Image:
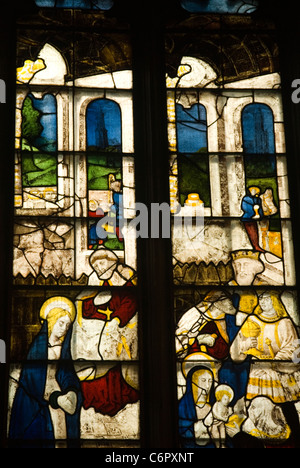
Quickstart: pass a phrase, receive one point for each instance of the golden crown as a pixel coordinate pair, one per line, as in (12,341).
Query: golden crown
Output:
(245,254)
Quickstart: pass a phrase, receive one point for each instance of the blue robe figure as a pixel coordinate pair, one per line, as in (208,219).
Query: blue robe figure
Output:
(251,205)
(115,221)
(188,416)
(233,374)
(30,422)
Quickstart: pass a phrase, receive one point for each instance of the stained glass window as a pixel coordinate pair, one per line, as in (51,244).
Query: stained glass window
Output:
(121,333)
(74,341)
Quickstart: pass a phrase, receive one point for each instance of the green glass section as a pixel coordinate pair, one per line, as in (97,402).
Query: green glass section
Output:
(193,175)
(39,170)
(100,168)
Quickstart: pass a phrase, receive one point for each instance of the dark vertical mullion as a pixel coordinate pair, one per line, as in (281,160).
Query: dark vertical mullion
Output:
(158,384)
(7,132)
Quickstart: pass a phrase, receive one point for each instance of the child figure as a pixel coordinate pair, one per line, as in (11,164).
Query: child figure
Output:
(220,415)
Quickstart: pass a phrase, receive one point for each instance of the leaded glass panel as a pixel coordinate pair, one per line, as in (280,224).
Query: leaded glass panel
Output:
(236,310)
(74,373)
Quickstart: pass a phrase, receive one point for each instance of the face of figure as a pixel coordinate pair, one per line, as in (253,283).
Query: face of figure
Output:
(218,309)
(254,191)
(265,302)
(116,186)
(201,385)
(104,268)
(245,270)
(254,412)
(60,328)
(225,399)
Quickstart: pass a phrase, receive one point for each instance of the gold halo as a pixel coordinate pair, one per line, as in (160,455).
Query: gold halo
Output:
(226,388)
(58,302)
(203,360)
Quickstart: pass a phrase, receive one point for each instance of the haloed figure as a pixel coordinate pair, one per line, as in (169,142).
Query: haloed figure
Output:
(194,406)
(201,386)
(220,414)
(47,402)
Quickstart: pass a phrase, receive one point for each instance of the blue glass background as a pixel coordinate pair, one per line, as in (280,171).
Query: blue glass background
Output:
(191,128)
(47,141)
(82,4)
(103,123)
(258,129)
(220,6)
